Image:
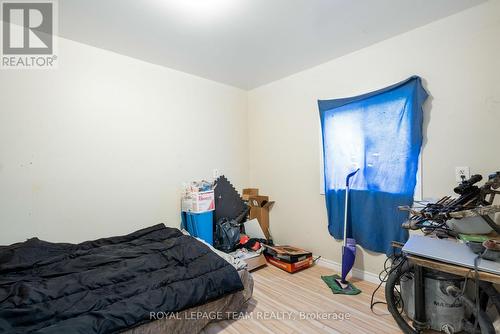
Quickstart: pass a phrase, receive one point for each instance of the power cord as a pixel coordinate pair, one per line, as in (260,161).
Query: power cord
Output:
(391,264)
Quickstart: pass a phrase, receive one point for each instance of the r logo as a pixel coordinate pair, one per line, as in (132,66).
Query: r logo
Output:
(27,28)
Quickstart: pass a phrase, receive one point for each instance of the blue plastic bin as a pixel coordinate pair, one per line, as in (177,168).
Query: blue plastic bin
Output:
(199,225)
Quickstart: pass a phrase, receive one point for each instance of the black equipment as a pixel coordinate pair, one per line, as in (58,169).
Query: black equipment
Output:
(473,201)
(467,186)
(227,235)
(419,298)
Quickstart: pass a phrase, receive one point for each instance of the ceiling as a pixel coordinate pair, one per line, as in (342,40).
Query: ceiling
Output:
(244,43)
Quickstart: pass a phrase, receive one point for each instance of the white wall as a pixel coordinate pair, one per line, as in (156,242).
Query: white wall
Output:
(458,58)
(101,145)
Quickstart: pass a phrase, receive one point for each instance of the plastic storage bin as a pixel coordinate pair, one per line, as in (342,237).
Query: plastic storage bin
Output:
(199,225)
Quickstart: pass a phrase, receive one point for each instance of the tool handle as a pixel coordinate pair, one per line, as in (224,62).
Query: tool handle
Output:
(349,177)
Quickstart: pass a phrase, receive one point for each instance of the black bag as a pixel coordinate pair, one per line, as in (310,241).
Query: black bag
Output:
(227,235)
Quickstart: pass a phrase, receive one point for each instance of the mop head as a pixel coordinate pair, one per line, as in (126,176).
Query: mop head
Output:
(337,287)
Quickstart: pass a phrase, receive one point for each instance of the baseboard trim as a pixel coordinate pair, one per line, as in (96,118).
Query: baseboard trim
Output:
(355,272)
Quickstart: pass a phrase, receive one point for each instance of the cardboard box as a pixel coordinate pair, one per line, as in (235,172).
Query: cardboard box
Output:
(249,192)
(257,200)
(198,202)
(255,262)
(290,267)
(287,253)
(259,209)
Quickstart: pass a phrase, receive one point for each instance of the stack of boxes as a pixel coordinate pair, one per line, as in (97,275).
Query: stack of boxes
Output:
(198,204)
(259,208)
(288,258)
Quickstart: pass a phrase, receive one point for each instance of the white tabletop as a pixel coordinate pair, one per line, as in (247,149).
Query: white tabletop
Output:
(449,251)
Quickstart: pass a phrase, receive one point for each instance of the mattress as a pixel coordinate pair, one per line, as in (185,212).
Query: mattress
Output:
(194,319)
(108,285)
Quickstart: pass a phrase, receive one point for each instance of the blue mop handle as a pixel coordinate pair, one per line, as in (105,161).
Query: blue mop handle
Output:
(349,177)
(347,205)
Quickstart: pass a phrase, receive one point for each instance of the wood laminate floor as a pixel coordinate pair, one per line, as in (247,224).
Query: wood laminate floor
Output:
(302,303)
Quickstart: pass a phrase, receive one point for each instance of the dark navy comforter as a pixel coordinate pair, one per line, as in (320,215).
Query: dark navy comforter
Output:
(107,285)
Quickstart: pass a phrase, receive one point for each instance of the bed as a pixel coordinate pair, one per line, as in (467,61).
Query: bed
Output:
(155,280)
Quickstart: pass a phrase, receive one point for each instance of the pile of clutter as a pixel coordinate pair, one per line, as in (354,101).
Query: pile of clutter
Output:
(237,224)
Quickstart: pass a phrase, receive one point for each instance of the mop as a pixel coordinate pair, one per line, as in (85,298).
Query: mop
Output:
(339,284)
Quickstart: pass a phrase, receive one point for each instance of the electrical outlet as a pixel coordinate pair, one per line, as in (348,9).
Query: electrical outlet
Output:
(462,173)
(215,173)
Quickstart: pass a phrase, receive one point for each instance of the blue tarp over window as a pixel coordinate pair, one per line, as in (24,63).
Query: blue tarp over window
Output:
(380,133)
